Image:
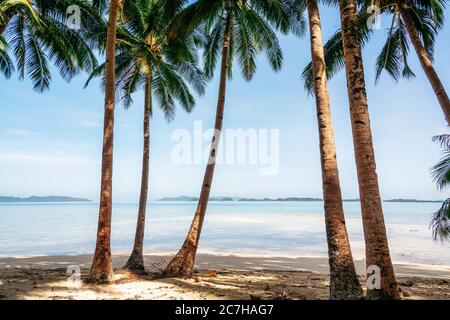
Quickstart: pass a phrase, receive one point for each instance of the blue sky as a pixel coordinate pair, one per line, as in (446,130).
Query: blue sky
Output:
(51,143)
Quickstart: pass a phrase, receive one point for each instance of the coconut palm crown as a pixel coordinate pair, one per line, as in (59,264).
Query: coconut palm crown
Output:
(428,19)
(36,34)
(253,30)
(143,50)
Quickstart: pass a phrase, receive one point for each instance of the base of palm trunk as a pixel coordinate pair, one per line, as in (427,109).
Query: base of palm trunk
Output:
(345,286)
(101,277)
(182,265)
(135,263)
(383,295)
(101,271)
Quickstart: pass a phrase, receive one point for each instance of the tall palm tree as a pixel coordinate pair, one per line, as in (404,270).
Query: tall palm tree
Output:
(416,20)
(344,283)
(377,249)
(145,60)
(440,222)
(411,11)
(239,29)
(36,33)
(101,269)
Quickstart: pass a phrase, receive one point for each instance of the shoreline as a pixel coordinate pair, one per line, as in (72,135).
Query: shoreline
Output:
(225,262)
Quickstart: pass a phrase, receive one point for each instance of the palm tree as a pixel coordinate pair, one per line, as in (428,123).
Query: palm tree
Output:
(239,29)
(344,283)
(101,268)
(145,60)
(36,33)
(411,12)
(418,20)
(377,249)
(440,222)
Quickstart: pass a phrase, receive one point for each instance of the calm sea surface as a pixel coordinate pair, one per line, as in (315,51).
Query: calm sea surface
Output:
(249,228)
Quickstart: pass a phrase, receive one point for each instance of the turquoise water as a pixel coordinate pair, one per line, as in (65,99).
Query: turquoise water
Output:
(248,228)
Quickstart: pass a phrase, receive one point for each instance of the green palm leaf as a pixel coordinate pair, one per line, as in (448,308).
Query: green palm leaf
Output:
(440,223)
(6,63)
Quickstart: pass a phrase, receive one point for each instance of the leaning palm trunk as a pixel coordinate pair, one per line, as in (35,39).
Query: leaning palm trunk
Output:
(101,269)
(344,283)
(377,249)
(425,61)
(136,260)
(183,263)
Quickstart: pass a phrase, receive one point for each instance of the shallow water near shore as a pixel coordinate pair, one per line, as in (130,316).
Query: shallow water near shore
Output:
(290,229)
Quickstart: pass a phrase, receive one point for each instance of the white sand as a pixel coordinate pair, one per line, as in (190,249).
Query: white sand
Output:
(218,277)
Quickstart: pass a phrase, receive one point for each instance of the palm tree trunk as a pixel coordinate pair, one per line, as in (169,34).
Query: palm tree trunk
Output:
(183,262)
(377,249)
(101,269)
(425,61)
(344,283)
(136,260)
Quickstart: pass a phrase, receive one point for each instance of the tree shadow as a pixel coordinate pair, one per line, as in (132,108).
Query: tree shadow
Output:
(256,285)
(216,277)
(21,283)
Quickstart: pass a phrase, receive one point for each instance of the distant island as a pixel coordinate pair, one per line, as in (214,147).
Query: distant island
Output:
(180,198)
(186,198)
(282,199)
(43,199)
(221,199)
(298,199)
(412,200)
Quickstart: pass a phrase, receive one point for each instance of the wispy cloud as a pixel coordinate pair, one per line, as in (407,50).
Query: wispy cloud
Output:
(89,124)
(53,158)
(441,131)
(18,132)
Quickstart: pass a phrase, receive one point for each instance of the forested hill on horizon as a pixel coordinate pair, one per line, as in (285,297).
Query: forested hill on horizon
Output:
(189,198)
(43,199)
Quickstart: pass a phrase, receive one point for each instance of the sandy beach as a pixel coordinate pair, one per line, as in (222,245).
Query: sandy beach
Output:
(217,277)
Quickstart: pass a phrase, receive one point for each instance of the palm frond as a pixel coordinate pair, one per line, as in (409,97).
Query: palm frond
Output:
(164,97)
(441,171)
(15,36)
(264,37)
(443,140)
(245,48)
(440,223)
(37,64)
(144,52)
(212,48)
(6,63)
(177,87)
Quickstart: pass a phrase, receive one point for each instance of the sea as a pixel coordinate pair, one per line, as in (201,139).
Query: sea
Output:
(272,228)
